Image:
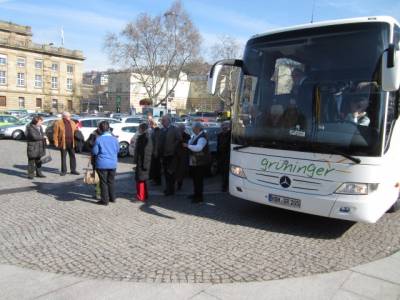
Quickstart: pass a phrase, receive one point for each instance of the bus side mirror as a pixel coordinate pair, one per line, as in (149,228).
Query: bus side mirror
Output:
(212,78)
(391,69)
(216,69)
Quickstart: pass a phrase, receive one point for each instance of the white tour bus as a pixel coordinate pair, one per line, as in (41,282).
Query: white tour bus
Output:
(315,121)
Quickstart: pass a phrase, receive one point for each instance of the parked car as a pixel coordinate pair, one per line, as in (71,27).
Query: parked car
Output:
(132,120)
(17,131)
(124,133)
(88,124)
(17,112)
(6,120)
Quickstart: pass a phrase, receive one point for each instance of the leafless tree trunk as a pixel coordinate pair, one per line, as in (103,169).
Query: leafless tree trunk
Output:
(227,48)
(156,49)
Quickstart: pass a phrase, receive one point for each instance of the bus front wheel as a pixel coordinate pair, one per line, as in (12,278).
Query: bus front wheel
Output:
(396,206)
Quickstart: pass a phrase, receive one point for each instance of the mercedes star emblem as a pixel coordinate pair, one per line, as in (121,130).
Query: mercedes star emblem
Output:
(285,182)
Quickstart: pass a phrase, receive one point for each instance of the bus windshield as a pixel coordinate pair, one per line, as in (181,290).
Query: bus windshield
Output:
(315,90)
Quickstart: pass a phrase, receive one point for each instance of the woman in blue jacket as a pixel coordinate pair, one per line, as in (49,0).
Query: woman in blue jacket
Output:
(106,150)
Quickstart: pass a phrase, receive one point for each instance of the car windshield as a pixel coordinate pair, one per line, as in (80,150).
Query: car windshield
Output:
(314,90)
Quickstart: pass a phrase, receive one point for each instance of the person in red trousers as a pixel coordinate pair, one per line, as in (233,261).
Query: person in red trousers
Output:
(142,159)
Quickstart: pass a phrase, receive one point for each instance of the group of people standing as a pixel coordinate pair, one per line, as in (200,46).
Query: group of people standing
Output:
(168,150)
(172,150)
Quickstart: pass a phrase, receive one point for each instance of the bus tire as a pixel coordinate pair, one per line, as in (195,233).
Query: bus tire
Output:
(395,207)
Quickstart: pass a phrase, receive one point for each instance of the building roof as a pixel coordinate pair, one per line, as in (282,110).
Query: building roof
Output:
(12,27)
(29,46)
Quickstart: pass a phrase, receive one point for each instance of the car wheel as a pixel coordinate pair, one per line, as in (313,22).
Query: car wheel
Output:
(18,135)
(123,149)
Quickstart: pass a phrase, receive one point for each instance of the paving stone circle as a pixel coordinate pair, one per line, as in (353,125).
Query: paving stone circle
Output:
(53,225)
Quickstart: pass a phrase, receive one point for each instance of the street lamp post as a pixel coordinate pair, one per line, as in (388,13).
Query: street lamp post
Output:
(174,15)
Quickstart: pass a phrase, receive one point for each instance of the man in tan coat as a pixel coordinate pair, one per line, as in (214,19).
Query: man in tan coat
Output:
(64,132)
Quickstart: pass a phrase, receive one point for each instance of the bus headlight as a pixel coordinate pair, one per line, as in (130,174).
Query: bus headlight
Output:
(237,171)
(351,188)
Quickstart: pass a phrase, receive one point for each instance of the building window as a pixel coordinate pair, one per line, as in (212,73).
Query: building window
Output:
(21,102)
(39,102)
(69,105)
(38,81)
(54,104)
(69,84)
(3,77)
(54,67)
(21,79)
(38,64)
(54,82)
(70,69)
(3,59)
(3,101)
(20,62)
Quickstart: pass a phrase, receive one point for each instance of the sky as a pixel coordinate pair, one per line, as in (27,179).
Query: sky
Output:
(86,23)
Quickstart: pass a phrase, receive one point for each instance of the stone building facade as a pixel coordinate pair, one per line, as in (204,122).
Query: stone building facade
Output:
(199,99)
(125,93)
(37,77)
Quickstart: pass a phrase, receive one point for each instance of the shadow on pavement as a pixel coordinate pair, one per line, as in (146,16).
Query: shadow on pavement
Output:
(146,208)
(227,209)
(12,172)
(44,169)
(220,207)
(66,191)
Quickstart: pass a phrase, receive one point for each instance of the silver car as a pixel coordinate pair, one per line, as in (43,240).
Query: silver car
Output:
(17,130)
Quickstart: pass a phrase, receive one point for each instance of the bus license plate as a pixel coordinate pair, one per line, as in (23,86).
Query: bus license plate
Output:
(275,199)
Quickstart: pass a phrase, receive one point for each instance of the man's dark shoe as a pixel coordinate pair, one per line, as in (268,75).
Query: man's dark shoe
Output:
(75,173)
(101,203)
(30,176)
(113,201)
(63,174)
(40,174)
(197,200)
(179,186)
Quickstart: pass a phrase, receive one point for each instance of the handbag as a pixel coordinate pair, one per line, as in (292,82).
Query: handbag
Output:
(91,177)
(47,158)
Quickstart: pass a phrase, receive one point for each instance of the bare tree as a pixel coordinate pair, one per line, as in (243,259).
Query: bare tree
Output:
(156,49)
(227,48)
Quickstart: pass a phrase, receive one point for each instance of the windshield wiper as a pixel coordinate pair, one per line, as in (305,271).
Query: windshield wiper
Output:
(335,151)
(240,147)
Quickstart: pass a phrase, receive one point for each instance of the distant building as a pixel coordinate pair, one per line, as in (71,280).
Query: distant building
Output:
(199,99)
(95,78)
(94,91)
(125,93)
(37,77)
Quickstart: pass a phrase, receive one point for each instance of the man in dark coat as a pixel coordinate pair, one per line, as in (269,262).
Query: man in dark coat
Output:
(170,141)
(36,147)
(183,158)
(223,152)
(155,166)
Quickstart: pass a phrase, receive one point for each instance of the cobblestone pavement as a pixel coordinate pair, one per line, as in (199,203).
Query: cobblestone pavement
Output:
(51,224)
